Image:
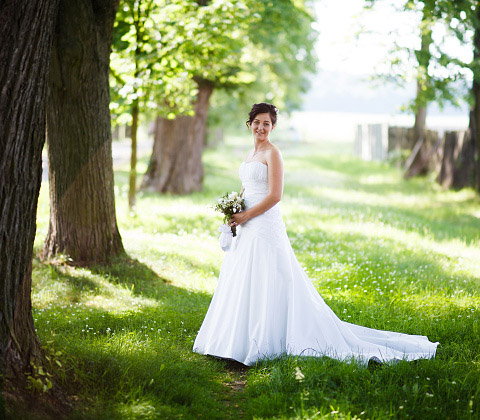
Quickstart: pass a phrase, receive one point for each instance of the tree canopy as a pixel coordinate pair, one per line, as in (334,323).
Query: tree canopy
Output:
(162,47)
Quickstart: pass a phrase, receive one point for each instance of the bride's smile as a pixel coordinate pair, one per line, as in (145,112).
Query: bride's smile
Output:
(261,127)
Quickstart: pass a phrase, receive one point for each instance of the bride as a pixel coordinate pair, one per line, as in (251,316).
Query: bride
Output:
(264,305)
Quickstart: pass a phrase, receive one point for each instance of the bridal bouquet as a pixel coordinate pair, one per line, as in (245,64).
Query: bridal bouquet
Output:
(229,204)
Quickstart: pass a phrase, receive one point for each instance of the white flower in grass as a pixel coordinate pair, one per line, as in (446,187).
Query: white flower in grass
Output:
(299,376)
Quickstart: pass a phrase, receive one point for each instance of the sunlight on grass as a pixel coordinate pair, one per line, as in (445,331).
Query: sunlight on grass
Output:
(383,252)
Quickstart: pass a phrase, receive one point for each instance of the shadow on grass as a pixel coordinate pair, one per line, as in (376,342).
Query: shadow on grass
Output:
(76,285)
(145,282)
(121,373)
(136,362)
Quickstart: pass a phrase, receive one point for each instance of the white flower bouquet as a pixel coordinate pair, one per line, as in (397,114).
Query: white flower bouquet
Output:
(229,204)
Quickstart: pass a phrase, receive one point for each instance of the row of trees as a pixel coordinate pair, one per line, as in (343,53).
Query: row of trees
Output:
(442,75)
(54,73)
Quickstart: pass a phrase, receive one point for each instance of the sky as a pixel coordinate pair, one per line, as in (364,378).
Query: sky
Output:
(338,22)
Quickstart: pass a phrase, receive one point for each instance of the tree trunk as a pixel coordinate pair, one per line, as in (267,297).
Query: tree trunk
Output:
(463,175)
(424,155)
(82,204)
(132,190)
(176,162)
(476,109)
(458,161)
(420,123)
(423,80)
(451,148)
(26,31)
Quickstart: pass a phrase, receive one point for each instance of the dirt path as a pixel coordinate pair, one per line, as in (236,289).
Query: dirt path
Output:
(234,395)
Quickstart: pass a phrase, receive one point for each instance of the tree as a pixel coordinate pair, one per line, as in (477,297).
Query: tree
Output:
(475,92)
(259,53)
(82,203)
(209,42)
(159,49)
(424,85)
(26,32)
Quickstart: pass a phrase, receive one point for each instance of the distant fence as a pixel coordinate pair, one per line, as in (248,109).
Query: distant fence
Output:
(450,156)
(377,141)
(371,141)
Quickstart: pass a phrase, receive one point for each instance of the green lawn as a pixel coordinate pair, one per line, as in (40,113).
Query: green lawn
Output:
(383,252)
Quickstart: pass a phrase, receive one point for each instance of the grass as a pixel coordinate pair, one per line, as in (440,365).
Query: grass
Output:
(383,252)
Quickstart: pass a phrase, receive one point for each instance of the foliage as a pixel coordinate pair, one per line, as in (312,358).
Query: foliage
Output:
(281,61)
(161,48)
(383,252)
(289,54)
(174,42)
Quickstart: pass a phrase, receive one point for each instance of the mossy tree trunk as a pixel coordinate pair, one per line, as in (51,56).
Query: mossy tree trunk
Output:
(82,205)
(26,31)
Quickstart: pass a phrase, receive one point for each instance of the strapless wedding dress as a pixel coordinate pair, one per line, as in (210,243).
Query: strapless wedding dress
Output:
(265,305)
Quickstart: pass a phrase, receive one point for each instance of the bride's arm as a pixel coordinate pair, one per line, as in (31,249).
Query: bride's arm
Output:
(275,189)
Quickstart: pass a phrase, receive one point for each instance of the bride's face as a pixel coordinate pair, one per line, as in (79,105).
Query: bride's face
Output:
(261,126)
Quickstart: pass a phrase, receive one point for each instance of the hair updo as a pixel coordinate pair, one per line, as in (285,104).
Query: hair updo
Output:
(262,108)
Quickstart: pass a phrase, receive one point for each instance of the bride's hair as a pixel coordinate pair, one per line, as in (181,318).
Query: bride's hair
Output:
(262,108)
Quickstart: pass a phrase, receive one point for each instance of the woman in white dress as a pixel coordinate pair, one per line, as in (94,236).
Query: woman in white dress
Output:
(264,305)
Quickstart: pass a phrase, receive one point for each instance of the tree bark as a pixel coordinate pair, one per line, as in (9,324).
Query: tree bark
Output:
(463,175)
(420,123)
(451,148)
(176,162)
(132,190)
(82,204)
(475,114)
(26,30)
(424,156)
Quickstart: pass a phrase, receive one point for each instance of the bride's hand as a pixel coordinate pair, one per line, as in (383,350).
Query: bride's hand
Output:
(239,218)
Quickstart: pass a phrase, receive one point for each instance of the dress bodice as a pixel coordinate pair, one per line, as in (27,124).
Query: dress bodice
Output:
(254,177)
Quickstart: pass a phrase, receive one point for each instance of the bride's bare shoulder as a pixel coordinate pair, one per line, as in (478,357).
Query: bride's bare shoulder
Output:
(274,152)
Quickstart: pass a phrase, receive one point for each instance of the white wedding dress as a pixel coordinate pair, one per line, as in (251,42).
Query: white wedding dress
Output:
(265,305)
